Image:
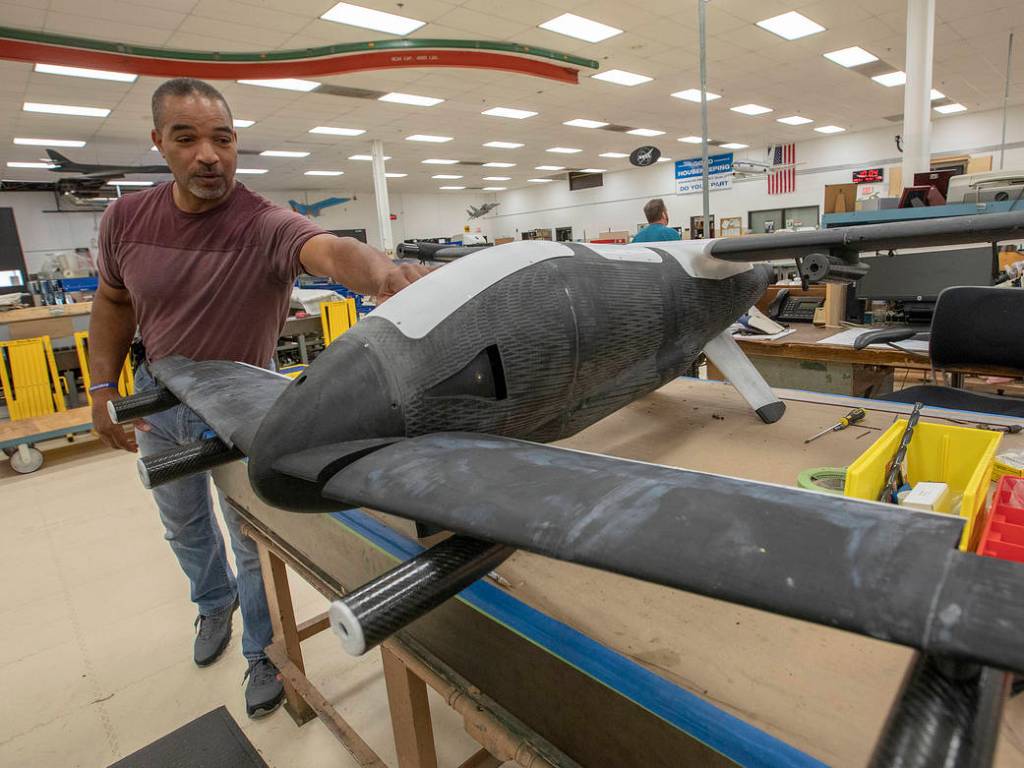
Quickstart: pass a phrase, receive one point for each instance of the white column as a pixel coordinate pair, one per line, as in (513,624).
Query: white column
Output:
(917,100)
(380,193)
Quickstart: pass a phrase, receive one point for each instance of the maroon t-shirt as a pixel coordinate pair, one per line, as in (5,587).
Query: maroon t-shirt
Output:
(207,286)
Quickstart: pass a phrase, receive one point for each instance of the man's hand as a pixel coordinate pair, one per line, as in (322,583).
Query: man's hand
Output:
(397,278)
(113,435)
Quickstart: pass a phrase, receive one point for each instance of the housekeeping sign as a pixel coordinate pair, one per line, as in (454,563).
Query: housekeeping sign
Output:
(688,174)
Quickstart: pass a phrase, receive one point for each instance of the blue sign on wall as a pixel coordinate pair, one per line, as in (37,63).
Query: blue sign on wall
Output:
(689,173)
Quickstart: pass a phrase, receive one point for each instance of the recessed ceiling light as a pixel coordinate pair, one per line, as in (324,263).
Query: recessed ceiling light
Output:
(367,18)
(622,77)
(366,158)
(563,150)
(239,123)
(571,25)
(14,164)
(497,178)
(795,120)
(251,170)
(691,140)
(283,153)
(122,183)
(645,132)
(499,165)
(615,155)
(581,122)
(850,57)
(451,187)
(438,161)
(428,138)
(549,168)
(323,173)
(791,26)
(829,129)
(891,79)
(664,159)
(751,109)
(540,181)
(284,83)
(396,175)
(495,189)
(733,145)
(948,109)
(65,109)
(937,94)
(95,74)
(515,114)
(410,99)
(445,176)
(592,170)
(332,131)
(504,144)
(693,94)
(50,142)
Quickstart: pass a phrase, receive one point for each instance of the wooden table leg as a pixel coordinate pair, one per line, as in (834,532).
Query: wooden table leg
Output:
(286,631)
(410,714)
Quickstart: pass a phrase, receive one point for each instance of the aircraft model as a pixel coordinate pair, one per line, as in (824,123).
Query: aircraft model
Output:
(313,210)
(93,171)
(476,213)
(436,408)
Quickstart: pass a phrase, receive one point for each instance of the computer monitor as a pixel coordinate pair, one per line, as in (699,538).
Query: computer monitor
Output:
(11,280)
(922,276)
(937,179)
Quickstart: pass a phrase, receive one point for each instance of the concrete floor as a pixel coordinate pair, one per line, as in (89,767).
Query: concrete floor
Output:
(96,634)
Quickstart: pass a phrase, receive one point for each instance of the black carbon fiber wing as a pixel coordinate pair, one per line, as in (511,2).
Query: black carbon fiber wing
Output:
(872,569)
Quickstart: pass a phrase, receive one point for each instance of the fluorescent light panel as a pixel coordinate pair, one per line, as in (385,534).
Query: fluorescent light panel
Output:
(540,181)
(645,132)
(795,120)
(949,109)
(891,79)
(563,150)
(254,171)
(664,159)
(850,57)
(438,161)
(592,170)
(451,187)
(50,142)
(504,144)
(693,94)
(497,178)
(17,164)
(829,129)
(791,26)
(751,109)
(549,168)
(64,109)
(396,175)
(571,25)
(937,95)
(691,140)
(284,83)
(510,112)
(495,189)
(367,18)
(330,130)
(410,98)
(366,158)
(445,176)
(581,122)
(239,123)
(425,137)
(615,155)
(323,173)
(95,74)
(122,183)
(499,165)
(733,145)
(283,153)
(622,77)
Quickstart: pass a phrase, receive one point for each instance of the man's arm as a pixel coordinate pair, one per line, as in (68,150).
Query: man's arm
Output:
(111,328)
(357,266)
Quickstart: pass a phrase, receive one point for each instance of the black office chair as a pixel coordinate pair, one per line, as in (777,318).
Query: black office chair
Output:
(971,326)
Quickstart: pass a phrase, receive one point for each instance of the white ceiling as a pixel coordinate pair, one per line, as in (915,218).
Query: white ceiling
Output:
(746,64)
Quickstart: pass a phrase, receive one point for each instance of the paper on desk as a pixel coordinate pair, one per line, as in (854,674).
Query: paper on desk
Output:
(846,339)
(760,337)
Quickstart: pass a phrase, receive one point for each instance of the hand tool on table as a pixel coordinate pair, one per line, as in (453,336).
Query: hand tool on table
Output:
(857,414)
(893,476)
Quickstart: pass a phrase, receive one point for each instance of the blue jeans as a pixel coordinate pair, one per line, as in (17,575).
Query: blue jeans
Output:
(186,509)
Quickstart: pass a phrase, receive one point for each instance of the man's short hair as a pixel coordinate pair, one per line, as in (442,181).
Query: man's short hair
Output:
(183,86)
(655,209)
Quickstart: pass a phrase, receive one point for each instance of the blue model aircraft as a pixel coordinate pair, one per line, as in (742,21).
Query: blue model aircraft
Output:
(313,209)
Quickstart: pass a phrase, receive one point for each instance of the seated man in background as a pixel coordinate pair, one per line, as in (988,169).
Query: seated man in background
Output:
(657,229)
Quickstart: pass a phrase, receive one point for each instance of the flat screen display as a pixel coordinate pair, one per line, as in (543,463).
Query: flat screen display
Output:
(922,276)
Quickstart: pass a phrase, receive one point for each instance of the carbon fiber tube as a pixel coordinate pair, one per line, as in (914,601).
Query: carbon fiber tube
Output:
(378,609)
(141,404)
(948,713)
(160,468)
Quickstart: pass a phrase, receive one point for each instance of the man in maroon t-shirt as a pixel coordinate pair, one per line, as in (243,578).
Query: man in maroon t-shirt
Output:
(204,268)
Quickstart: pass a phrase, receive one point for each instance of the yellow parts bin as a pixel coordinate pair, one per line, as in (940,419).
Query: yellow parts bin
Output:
(337,317)
(958,456)
(28,373)
(125,382)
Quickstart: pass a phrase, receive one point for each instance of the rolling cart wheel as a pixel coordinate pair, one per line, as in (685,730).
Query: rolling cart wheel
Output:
(26,460)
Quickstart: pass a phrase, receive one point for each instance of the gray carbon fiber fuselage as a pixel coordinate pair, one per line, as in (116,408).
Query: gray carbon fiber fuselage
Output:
(555,343)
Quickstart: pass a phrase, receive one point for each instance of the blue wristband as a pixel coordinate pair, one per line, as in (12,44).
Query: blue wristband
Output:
(103,385)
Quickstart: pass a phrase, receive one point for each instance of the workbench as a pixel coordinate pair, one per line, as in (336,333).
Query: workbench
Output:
(590,668)
(798,361)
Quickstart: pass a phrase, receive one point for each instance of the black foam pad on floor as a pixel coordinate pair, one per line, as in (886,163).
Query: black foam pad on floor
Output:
(211,741)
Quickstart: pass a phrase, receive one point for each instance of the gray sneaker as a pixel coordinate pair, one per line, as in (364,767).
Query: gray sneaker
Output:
(264,691)
(212,635)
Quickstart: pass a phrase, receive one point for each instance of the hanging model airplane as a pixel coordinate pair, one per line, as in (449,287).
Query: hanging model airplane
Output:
(98,172)
(436,408)
(483,210)
(313,210)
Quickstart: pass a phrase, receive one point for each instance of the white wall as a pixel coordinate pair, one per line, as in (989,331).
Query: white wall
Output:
(43,234)
(618,205)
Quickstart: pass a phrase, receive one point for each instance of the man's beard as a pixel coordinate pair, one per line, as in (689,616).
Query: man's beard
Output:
(206,192)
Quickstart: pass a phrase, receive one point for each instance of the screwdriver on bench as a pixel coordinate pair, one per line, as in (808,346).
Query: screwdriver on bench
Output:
(857,414)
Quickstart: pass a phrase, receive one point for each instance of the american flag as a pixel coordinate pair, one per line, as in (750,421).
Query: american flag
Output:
(782,174)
